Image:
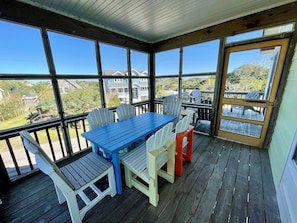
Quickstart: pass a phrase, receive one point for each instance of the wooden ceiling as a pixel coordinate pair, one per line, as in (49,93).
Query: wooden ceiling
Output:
(155,20)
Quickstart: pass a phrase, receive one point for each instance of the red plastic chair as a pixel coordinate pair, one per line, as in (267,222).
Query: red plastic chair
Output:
(183,140)
(184,143)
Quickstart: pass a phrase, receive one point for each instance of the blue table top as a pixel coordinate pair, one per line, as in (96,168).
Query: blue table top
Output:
(121,134)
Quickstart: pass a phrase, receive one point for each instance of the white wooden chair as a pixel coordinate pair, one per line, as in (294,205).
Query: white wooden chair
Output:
(145,162)
(97,118)
(172,105)
(125,111)
(100,117)
(251,95)
(196,96)
(72,179)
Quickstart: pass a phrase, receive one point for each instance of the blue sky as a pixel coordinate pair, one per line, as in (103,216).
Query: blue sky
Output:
(21,51)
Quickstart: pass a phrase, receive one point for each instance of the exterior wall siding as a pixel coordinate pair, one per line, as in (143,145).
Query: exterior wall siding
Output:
(286,125)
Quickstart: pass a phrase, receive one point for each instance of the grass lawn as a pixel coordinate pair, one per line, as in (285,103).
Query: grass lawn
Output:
(16,141)
(15,122)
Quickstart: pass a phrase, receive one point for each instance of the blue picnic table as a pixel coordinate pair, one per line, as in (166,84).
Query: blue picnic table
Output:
(122,134)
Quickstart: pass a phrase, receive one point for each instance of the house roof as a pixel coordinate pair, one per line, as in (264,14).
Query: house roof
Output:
(125,72)
(155,20)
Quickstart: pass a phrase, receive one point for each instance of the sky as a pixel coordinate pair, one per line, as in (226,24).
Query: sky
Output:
(21,51)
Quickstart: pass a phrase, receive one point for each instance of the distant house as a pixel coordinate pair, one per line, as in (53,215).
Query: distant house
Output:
(67,85)
(1,93)
(119,85)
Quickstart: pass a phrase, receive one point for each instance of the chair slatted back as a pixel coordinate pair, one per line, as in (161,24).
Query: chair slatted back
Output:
(253,95)
(125,111)
(184,123)
(196,94)
(158,140)
(100,117)
(44,163)
(172,105)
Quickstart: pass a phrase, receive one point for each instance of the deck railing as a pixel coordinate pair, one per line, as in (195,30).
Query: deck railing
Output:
(60,139)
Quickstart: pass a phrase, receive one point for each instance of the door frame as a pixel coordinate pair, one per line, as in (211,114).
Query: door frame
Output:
(267,104)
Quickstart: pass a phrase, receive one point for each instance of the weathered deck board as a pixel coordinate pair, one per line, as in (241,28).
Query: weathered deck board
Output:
(213,188)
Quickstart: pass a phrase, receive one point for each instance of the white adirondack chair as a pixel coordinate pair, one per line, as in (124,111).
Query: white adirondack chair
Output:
(172,105)
(100,117)
(196,96)
(146,162)
(72,179)
(125,111)
(97,118)
(251,95)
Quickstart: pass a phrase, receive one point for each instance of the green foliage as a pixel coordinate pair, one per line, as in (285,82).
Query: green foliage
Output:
(11,106)
(82,100)
(247,77)
(113,101)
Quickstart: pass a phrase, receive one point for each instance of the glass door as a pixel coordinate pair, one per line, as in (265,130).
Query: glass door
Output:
(250,80)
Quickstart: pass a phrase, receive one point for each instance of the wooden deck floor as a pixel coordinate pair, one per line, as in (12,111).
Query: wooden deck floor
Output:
(226,182)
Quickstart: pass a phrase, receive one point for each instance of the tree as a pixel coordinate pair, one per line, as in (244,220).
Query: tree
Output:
(113,101)
(248,77)
(82,100)
(11,106)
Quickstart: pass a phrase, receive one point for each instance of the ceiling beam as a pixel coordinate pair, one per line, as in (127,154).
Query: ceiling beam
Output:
(264,19)
(31,15)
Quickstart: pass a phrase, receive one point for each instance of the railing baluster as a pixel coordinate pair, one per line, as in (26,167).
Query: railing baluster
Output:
(50,143)
(29,159)
(84,129)
(13,156)
(77,136)
(36,137)
(60,141)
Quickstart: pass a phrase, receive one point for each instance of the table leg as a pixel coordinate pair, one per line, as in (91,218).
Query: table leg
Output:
(117,172)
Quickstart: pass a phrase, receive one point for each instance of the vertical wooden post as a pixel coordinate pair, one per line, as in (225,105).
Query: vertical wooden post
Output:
(4,178)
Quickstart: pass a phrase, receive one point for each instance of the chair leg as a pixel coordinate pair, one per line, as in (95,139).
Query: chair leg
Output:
(128,177)
(153,191)
(60,195)
(179,156)
(171,163)
(189,152)
(111,182)
(73,208)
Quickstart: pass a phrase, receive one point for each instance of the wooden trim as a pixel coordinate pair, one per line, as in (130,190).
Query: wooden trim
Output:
(281,88)
(272,17)
(249,140)
(268,104)
(31,15)
(238,119)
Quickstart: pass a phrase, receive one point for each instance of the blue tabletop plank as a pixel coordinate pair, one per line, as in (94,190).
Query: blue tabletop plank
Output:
(118,135)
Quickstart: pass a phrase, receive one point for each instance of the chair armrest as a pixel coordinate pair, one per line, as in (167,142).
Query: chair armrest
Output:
(153,166)
(157,152)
